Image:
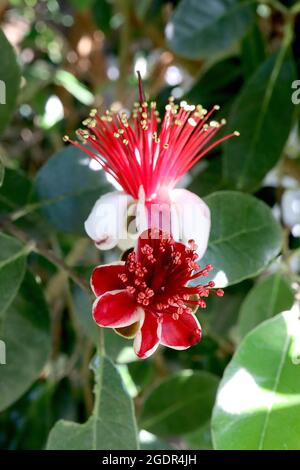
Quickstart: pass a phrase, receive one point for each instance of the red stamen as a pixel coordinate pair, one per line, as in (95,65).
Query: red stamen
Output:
(138,154)
(158,272)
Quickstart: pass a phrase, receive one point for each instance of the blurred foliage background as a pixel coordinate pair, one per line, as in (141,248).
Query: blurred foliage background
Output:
(60,58)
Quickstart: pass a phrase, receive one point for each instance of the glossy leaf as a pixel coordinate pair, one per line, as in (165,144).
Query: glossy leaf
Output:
(102,13)
(25,331)
(179,404)
(199,29)
(209,178)
(217,85)
(253,50)
(10,77)
(244,238)
(112,424)
(15,191)
(258,401)
(73,187)
(12,269)
(263,106)
(222,321)
(200,439)
(266,299)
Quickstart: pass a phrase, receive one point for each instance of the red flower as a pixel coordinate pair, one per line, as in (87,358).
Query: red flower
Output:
(139,154)
(147,157)
(147,295)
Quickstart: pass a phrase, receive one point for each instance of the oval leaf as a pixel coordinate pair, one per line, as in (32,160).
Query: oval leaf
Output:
(10,77)
(245,237)
(25,332)
(112,425)
(12,269)
(15,191)
(200,29)
(179,404)
(258,402)
(71,187)
(266,299)
(263,106)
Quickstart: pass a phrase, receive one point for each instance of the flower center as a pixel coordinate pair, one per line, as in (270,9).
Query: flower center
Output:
(158,272)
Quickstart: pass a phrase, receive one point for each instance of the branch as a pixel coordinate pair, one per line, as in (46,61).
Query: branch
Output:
(42,250)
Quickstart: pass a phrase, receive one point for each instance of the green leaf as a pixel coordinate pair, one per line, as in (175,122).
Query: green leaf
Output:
(221,321)
(266,299)
(200,439)
(10,77)
(15,191)
(179,404)
(12,269)
(252,50)
(112,425)
(25,332)
(200,29)
(24,428)
(102,12)
(258,401)
(81,4)
(73,187)
(2,171)
(244,238)
(217,85)
(263,106)
(209,179)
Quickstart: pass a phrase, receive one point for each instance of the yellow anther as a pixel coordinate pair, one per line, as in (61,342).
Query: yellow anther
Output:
(192,122)
(214,124)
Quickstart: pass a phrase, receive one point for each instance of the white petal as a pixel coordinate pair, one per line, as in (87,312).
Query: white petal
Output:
(106,224)
(190,219)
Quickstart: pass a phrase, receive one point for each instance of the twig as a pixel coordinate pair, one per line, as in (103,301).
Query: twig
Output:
(42,250)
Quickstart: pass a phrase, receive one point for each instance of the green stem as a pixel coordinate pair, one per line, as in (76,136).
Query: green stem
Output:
(99,368)
(101,342)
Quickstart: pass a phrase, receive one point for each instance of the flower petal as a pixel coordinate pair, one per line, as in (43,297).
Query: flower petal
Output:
(130,331)
(106,278)
(181,333)
(147,338)
(116,309)
(106,223)
(193,219)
